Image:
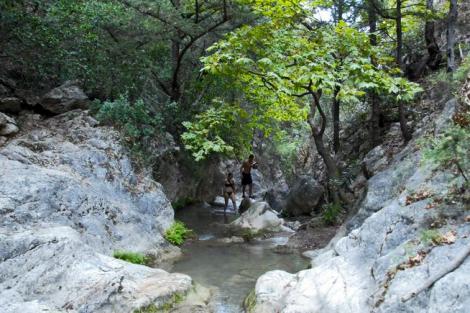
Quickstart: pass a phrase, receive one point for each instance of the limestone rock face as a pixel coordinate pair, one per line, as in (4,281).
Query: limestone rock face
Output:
(387,252)
(304,196)
(65,98)
(69,197)
(50,269)
(8,125)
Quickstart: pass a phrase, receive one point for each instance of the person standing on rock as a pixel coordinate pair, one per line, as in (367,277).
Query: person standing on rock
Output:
(245,171)
(229,191)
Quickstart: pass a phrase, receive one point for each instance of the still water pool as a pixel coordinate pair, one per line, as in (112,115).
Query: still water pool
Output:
(231,268)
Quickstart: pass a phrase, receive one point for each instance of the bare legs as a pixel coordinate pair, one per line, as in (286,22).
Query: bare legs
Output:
(234,201)
(250,190)
(226,201)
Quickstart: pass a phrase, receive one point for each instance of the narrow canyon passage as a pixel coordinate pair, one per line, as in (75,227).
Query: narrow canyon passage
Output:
(232,268)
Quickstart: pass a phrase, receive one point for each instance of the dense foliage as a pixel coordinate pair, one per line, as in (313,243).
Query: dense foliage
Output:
(219,74)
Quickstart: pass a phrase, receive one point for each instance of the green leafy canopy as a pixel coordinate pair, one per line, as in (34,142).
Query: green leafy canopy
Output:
(280,61)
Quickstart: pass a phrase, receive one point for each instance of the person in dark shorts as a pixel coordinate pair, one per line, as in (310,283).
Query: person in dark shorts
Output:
(245,171)
(229,191)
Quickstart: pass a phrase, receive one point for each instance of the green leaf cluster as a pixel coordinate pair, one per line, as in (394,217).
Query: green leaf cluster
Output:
(220,129)
(331,213)
(177,233)
(135,121)
(279,62)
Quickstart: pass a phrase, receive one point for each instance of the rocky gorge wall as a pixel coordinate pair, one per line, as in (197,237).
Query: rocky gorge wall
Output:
(406,249)
(69,197)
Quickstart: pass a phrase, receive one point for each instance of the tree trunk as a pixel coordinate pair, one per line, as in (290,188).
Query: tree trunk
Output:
(175,59)
(451,20)
(335,112)
(330,164)
(401,110)
(399,34)
(404,128)
(374,128)
(336,103)
(331,168)
(434,52)
(339,10)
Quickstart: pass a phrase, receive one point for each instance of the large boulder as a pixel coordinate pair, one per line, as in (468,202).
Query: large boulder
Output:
(304,196)
(66,171)
(69,197)
(49,269)
(65,98)
(8,125)
(259,218)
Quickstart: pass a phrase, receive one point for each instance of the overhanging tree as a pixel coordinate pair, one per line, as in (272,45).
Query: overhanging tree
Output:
(289,69)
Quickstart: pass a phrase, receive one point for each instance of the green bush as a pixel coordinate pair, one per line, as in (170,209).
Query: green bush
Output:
(450,149)
(221,129)
(134,119)
(331,213)
(131,257)
(137,124)
(177,233)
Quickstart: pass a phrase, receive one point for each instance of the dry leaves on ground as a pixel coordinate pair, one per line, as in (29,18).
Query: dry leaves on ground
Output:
(417,196)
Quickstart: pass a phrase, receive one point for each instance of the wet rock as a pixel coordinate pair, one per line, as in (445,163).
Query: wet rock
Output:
(259,218)
(233,239)
(65,98)
(244,205)
(10,105)
(197,300)
(7,125)
(304,197)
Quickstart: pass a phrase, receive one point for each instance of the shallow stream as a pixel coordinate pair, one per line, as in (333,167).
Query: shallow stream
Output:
(230,267)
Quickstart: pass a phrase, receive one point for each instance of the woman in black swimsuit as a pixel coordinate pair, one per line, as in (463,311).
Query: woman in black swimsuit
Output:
(229,191)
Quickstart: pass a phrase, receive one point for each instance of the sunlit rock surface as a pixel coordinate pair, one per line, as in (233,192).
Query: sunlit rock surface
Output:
(387,253)
(69,197)
(259,218)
